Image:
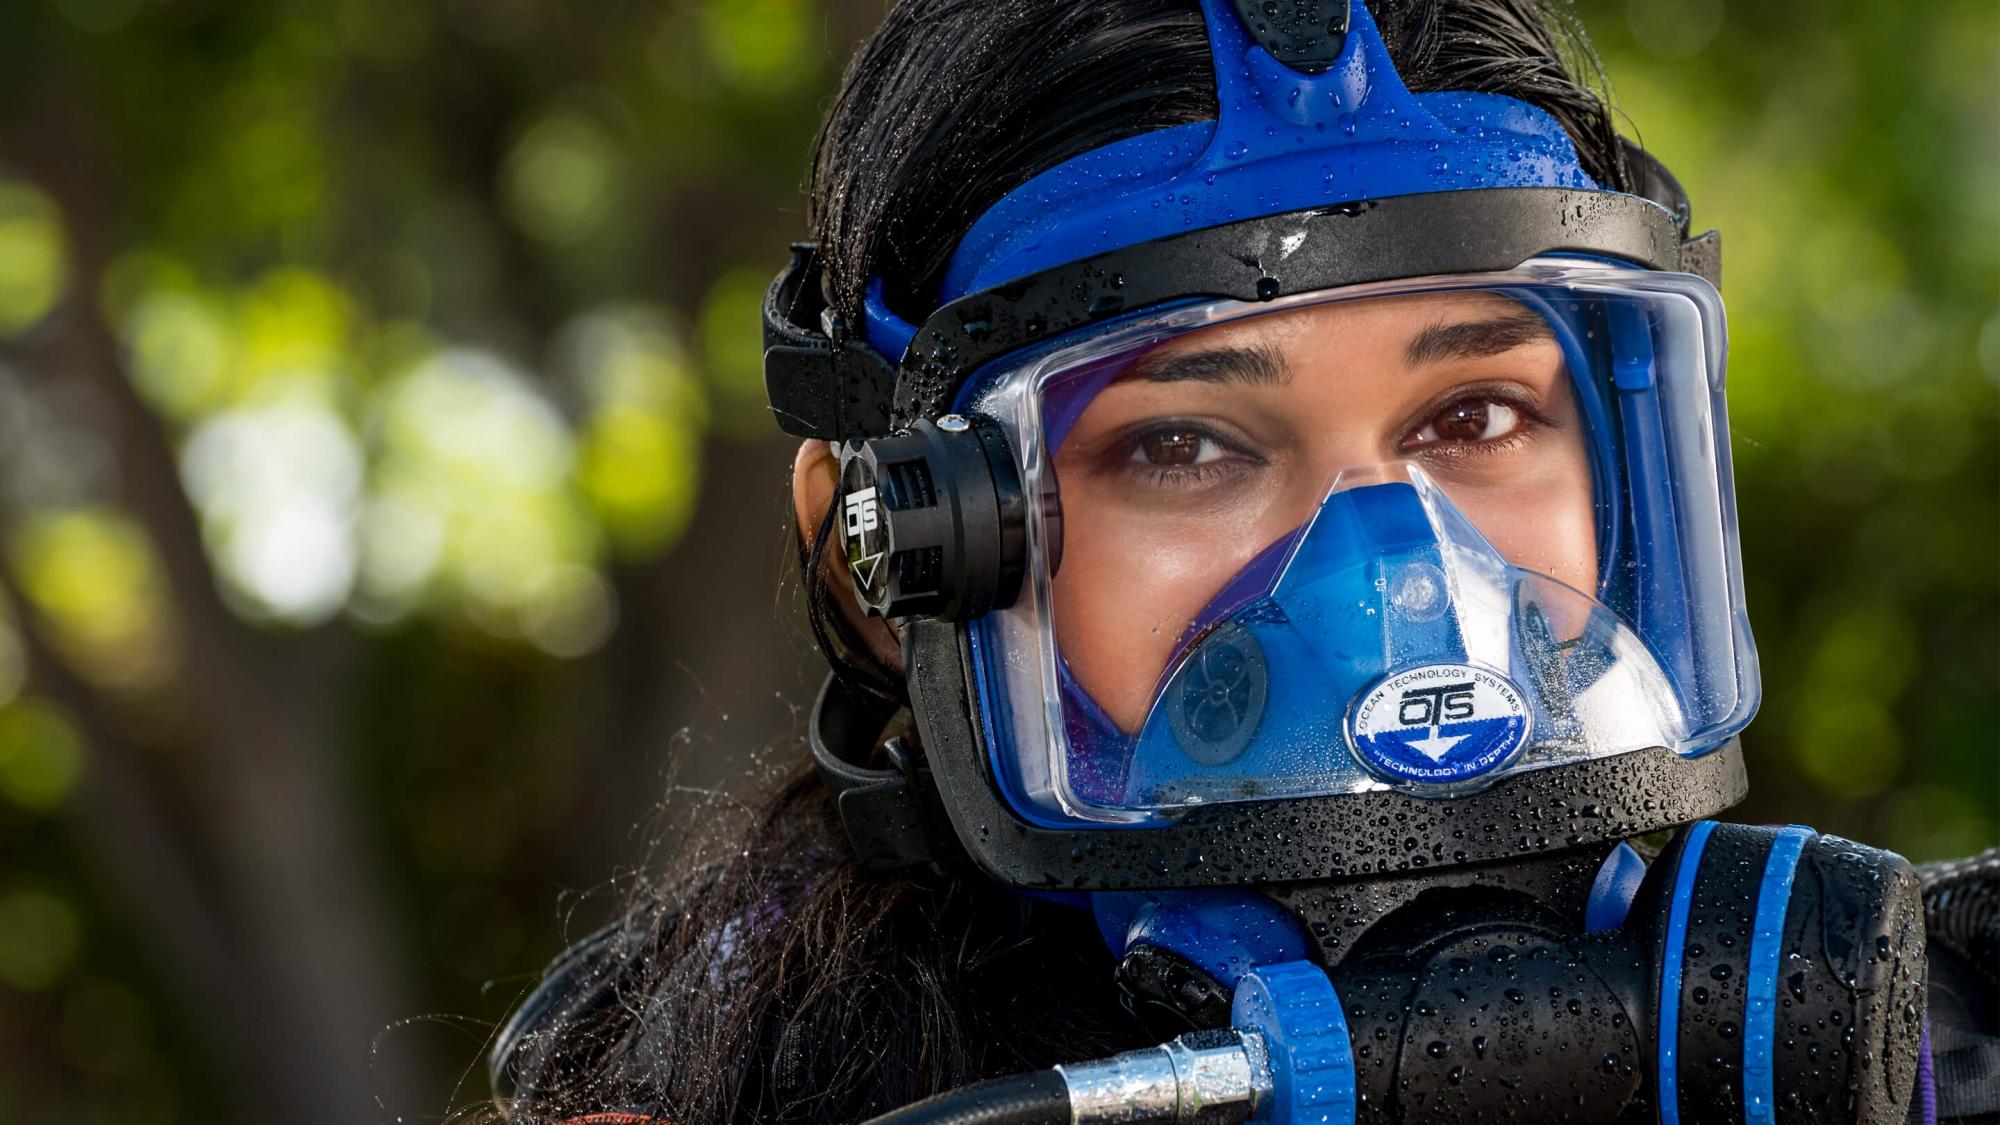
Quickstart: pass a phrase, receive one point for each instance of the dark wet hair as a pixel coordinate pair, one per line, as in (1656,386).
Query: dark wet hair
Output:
(764,975)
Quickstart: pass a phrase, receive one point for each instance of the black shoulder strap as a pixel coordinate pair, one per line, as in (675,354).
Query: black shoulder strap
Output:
(573,983)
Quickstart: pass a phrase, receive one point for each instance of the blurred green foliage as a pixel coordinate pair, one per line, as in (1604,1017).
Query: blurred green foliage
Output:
(1852,159)
(386,494)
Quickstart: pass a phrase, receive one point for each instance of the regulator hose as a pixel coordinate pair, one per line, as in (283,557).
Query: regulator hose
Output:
(1037,1098)
(1214,1077)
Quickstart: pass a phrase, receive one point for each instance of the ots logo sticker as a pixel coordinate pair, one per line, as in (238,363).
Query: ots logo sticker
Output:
(860,517)
(1439,723)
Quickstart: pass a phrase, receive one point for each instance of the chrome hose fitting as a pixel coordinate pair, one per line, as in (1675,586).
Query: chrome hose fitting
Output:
(1218,1077)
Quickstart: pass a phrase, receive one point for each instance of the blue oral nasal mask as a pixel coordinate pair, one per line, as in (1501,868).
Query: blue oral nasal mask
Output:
(1439,657)
(1372,816)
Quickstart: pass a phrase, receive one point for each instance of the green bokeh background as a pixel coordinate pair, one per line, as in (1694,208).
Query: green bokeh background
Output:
(389,518)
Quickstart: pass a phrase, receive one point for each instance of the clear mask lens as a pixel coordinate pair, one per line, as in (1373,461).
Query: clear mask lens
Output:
(1421,536)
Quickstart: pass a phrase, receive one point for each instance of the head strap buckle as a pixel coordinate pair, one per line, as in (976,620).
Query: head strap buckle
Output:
(893,816)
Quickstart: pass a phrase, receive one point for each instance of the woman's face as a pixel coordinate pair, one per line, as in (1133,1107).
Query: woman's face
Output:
(1216,444)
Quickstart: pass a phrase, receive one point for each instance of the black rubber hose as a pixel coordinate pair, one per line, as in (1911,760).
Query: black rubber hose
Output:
(1037,1098)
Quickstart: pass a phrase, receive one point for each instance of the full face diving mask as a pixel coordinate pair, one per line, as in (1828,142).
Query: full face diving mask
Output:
(1313,543)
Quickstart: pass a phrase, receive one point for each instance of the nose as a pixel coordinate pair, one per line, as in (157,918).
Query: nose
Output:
(1336,457)
(1367,585)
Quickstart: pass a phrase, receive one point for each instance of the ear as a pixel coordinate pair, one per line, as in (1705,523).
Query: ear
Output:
(815,480)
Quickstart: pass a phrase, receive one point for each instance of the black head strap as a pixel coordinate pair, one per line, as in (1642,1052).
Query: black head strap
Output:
(894,816)
(822,381)
(1305,35)
(1701,254)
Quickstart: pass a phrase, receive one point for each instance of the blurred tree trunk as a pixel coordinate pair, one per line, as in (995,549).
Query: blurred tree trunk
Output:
(294,959)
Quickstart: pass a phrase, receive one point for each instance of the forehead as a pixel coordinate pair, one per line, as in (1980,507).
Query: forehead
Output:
(1365,323)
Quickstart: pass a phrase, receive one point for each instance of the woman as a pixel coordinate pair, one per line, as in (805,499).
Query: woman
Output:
(1266,504)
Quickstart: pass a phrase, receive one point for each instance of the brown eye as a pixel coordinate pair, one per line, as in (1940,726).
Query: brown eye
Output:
(1173,453)
(1467,421)
(1173,447)
(1462,421)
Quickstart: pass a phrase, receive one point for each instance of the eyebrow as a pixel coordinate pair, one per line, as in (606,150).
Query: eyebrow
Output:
(1476,339)
(1256,366)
